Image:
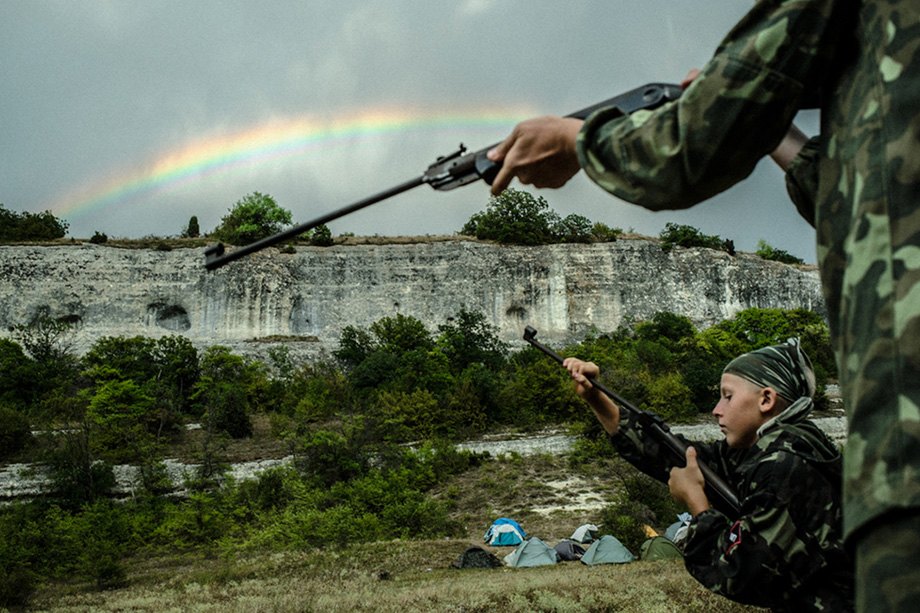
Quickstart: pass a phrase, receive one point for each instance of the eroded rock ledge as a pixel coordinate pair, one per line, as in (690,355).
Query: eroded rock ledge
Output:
(305,299)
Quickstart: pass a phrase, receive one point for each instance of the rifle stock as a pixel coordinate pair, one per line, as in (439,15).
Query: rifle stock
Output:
(721,494)
(447,172)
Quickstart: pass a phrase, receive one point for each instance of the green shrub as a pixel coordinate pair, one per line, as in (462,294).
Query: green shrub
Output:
(670,398)
(321,236)
(254,217)
(767,252)
(17,584)
(514,217)
(678,235)
(643,502)
(626,521)
(192,230)
(574,229)
(329,457)
(15,432)
(200,520)
(228,389)
(602,233)
(537,391)
(28,226)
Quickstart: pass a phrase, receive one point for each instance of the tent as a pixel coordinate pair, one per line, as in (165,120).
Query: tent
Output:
(677,531)
(568,550)
(659,548)
(584,533)
(607,550)
(504,532)
(532,552)
(477,557)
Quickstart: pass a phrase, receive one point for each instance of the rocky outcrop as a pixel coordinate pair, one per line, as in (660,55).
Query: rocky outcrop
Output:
(305,299)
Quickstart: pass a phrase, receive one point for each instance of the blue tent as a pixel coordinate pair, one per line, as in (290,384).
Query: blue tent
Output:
(504,532)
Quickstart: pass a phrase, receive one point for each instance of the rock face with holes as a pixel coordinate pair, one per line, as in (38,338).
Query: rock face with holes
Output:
(305,299)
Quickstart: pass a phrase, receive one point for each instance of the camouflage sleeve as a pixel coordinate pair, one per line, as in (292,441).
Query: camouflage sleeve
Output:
(775,547)
(802,179)
(732,115)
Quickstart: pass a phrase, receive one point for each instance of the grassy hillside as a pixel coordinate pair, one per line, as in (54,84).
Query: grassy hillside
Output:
(549,495)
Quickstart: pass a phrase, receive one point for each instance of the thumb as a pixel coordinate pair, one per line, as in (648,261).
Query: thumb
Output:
(691,457)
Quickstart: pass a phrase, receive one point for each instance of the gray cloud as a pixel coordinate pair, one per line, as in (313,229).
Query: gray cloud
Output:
(97,90)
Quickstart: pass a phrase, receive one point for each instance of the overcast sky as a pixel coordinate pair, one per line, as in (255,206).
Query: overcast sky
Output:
(129,117)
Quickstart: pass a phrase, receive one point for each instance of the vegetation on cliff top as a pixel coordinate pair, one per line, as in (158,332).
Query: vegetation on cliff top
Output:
(514,217)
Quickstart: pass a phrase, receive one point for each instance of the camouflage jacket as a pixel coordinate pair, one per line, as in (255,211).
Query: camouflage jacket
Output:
(785,550)
(858,182)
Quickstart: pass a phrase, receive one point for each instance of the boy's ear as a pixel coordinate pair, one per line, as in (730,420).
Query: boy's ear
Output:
(768,398)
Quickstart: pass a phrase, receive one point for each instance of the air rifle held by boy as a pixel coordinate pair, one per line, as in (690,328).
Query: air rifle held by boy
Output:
(447,172)
(721,494)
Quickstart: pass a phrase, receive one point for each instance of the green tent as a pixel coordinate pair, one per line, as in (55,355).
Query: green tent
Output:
(532,552)
(607,550)
(659,548)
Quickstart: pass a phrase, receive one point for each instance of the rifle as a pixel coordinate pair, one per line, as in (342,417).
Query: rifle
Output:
(721,493)
(447,172)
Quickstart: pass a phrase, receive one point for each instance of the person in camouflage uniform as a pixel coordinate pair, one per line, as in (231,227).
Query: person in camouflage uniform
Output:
(858,183)
(784,548)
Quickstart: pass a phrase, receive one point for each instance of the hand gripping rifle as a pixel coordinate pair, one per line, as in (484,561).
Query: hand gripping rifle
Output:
(447,172)
(723,496)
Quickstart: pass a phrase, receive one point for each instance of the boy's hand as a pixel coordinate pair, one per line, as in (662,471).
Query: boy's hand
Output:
(581,372)
(686,485)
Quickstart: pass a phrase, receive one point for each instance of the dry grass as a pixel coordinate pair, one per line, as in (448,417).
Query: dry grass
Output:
(542,492)
(396,576)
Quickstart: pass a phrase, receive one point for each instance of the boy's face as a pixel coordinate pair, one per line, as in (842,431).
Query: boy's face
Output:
(739,411)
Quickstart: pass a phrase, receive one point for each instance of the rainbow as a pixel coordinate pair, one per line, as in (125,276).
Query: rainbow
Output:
(271,141)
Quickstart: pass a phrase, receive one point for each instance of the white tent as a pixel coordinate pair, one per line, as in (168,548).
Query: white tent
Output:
(584,533)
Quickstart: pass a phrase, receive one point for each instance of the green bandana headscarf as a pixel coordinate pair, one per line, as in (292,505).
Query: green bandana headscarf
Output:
(786,369)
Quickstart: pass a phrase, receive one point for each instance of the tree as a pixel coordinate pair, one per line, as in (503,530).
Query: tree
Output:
(468,339)
(226,391)
(321,236)
(401,333)
(18,384)
(55,367)
(602,233)
(574,229)
(514,217)
(678,235)
(192,230)
(666,325)
(253,218)
(355,345)
(15,433)
(27,226)
(767,252)
(165,369)
(118,414)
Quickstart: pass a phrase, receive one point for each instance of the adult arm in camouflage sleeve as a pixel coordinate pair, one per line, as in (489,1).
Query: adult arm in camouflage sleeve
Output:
(733,114)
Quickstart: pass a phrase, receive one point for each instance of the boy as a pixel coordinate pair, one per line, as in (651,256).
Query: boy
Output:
(784,550)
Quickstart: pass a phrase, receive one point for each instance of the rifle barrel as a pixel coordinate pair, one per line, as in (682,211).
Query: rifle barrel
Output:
(725,496)
(217,257)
